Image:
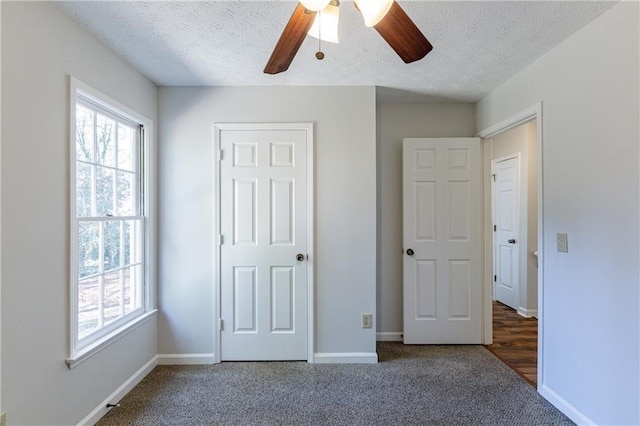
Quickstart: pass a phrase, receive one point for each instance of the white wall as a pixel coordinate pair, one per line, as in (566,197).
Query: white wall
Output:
(0,210)
(590,307)
(40,48)
(523,140)
(345,212)
(395,122)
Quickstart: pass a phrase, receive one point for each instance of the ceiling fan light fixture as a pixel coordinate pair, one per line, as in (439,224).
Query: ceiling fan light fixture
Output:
(325,25)
(373,10)
(315,5)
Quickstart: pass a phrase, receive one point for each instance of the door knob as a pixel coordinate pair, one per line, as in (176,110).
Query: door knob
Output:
(511,241)
(410,252)
(300,257)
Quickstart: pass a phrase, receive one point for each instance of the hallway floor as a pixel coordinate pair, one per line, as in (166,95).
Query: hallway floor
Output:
(515,341)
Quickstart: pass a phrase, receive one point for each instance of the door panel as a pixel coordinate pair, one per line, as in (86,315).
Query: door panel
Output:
(282,212)
(263,222)
(442,212)
(460,289)
(425,203)
(426,289)
(282,299)
(244,299)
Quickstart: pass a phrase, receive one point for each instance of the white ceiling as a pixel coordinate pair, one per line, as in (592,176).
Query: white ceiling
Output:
(477,44)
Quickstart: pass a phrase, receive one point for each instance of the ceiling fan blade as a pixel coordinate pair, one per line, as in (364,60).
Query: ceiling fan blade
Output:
(290,40)
(402,35)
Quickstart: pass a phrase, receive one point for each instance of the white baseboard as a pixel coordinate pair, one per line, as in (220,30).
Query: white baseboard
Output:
(98,412)
(528,313)
(186,359)
(346,358)
(566,408)
(389,336)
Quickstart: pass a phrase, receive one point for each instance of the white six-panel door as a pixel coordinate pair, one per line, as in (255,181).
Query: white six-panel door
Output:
(442,240)
(507,224)
(263,223)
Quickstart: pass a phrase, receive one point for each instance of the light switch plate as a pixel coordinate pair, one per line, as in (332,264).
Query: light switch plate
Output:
(563,243)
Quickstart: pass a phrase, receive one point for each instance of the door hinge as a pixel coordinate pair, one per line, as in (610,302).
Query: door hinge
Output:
(220,324)
(220,239)
(495,228)
(494,177)
(495,278)
(221,155)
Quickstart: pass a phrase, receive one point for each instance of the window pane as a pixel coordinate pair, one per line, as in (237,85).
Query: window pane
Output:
(112,296)
(132,242)
(125,193)
(88,306)
(111,245)
(125,147)
(132,289)
(104,191)
(88,248)
(84,189)
(106,129)
(84,133)
(128,229)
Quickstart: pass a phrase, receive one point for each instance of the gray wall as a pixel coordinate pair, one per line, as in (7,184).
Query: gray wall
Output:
(40,48)
(590,307)
(345,207)
(395,122)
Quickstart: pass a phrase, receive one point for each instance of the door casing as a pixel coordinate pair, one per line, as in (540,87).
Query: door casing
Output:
(217,156)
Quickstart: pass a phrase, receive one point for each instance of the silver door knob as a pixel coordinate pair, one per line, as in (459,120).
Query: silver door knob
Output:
(299,257)
(511,241)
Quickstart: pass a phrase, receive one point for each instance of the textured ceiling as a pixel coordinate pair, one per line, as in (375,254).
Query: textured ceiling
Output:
(477,45)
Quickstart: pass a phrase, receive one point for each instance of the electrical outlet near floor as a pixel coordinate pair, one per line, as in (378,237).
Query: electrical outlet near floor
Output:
(3,419)
(367,320)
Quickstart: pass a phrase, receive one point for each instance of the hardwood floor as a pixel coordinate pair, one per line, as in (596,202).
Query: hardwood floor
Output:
(515,341)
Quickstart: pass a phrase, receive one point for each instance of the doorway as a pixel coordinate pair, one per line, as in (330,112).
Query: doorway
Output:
(515,225)
(514,333)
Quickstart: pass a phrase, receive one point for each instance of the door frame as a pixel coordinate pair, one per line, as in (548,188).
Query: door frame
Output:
(217,179)
(522,221)
(534,112)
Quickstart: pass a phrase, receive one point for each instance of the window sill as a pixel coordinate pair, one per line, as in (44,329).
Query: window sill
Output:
(107,340)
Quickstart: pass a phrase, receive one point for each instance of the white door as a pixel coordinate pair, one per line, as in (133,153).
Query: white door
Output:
(506,236)
(442,240)
(264,244)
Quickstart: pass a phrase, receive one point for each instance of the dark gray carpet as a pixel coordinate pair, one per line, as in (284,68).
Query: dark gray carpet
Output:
(433,385)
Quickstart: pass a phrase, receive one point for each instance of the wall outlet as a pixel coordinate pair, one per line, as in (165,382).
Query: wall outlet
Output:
(3,419)
(563,243)
(367,320)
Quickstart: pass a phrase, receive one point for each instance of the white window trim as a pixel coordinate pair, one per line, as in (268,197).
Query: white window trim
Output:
(77,356)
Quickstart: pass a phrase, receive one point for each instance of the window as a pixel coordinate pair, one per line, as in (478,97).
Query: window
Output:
(108,221)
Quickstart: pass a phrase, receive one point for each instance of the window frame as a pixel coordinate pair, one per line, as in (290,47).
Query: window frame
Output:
(83,94)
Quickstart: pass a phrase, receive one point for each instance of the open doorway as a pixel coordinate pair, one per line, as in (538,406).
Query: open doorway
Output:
(514,247)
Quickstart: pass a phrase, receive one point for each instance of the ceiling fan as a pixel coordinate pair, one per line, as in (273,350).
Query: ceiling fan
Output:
(386,16)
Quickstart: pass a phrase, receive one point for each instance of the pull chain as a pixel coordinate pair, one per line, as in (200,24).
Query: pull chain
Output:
(319,54)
